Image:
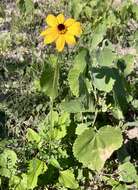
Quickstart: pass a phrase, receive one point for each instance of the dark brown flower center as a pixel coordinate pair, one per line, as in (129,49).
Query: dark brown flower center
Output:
(61,27)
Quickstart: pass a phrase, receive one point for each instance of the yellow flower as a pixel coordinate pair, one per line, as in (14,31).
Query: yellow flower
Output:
(61,31)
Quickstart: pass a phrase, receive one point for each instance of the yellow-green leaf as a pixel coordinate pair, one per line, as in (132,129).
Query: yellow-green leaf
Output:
(94,148)
(36,167)
(67,179)
(75,72)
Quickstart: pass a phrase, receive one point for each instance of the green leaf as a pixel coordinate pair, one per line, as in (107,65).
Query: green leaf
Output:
(120,187)
(109,180)
(77,6)
(120,92)
(18,183)
(59,123)
(29,5)
(25,6)
(127,172)
(98,35)
(67,179)
(75,72)
(73,106)
(115,184)
(117,113)
(106,57)
(54,163)
(78,105)
(32,136)
(103,78)
(81,128)
(8,163)
(129,64)
(36,167)
(93,149)
(60,128)
(49,79)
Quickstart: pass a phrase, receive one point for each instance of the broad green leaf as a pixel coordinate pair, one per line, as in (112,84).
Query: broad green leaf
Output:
(49,79)
(8,163)
(67,179)
(120,92)
(78,105)
(25,6)
(32,136)
(94,148)
(127,172)
(29,5)
(106,57)
(36,167)
(45,125)
(98,35)
(75,72)
(59,123)
(77,6)
(54,163)
(81,128)
(114,183)
(18,183)
(103,78)
(59,132)
(85,103)
(117,113)
(73,106)
(129,64)
(60,128)
(109,180)
(120,187)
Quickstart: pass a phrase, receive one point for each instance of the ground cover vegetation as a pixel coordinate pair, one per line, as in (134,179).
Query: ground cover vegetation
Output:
(69,111)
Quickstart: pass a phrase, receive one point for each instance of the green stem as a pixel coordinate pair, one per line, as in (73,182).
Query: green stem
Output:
(95,116)
(51,117)
(56,72)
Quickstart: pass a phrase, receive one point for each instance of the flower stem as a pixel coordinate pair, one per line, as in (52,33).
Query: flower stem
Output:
(56,73)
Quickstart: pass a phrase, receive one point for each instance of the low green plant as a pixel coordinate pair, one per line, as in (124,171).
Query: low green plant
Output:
(68,120)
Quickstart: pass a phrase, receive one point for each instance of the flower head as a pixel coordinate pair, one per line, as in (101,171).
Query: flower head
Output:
(61,31)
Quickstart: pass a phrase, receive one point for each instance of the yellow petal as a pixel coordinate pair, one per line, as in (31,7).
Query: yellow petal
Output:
(69,22)
(51,20)
(51,36)
(60,43)
(60,19)
(43,33)
(70,39)
(47,31)
(75,29)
